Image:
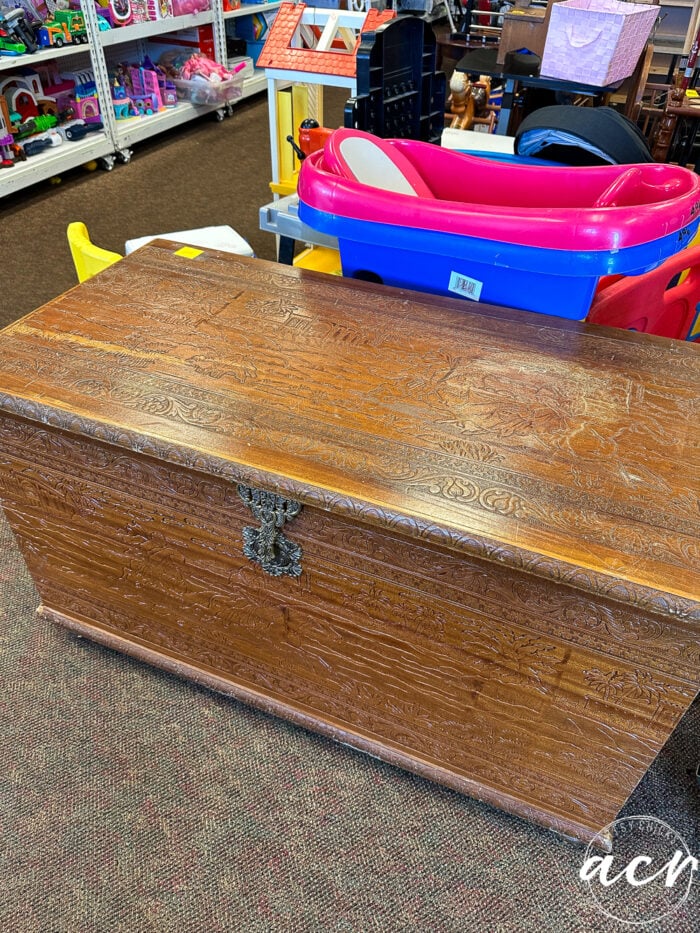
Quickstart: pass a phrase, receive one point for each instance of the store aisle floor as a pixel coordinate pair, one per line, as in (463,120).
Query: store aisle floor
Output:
(204,174)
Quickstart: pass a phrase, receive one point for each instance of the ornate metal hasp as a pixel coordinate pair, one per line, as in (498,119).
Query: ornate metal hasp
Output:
(267,546)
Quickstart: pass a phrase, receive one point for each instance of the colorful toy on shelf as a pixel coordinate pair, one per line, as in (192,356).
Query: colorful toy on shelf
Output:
(151,79)
(35,11)
(159,9)
(116,12)
(139,11)
(16,36)
(145,104)
(79,129)
(201,80)
(415,215)
(7,159)
(145,88)
(120,11)
(9,123)
(18,153)
(198,65)
(33,147)
(21,95)
(85,103)
(141,90)
(65,26)
(121,102)
(188,7)
(53,84)
(16,22)
(32,127)
(9,46)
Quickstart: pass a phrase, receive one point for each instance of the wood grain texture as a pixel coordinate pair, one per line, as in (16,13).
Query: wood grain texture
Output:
(499,531)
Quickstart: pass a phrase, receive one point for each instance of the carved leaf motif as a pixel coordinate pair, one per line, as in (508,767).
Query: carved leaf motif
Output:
(454,488)
(93,387)
(503,502)
(526,660)
(634,685)
(491,408)
(425,381)
(483,453)
(242,369)
(157,403)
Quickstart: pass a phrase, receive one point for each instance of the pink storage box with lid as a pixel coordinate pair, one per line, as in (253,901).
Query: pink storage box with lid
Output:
(596,41)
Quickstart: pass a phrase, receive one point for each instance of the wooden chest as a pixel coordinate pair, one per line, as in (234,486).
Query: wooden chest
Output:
(461,538)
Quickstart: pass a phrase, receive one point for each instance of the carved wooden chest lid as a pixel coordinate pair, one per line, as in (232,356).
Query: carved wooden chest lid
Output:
(568,451)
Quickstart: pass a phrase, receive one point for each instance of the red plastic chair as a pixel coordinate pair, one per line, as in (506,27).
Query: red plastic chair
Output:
(647,304)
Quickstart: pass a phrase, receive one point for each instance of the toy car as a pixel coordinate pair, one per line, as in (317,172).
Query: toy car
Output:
(65,26)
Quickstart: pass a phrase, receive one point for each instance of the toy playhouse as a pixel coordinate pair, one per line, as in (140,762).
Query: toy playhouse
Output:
(414,215)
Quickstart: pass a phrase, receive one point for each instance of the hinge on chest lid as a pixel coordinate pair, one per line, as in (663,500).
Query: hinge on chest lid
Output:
(267,546)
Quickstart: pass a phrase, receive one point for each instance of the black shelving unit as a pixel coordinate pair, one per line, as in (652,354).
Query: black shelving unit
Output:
(399,92)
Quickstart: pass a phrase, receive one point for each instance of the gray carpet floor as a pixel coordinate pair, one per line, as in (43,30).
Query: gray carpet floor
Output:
(133,801)
(203,174)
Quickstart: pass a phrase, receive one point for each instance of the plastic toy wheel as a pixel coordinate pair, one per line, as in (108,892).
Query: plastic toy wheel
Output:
(58,42)
(366,276)
(124,156)
(107,163)
(220,114)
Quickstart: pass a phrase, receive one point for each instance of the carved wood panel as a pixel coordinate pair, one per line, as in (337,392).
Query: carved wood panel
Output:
(527,687)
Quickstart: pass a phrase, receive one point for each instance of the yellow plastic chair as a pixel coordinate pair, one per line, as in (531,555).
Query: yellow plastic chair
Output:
(88,259)
(320,258)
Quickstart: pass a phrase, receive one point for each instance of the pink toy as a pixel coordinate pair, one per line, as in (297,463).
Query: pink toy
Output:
(186,7)
(605,207)
(198,64)
(146,86)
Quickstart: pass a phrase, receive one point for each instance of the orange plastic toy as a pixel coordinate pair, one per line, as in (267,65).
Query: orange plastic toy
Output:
(283,48)
(645,302)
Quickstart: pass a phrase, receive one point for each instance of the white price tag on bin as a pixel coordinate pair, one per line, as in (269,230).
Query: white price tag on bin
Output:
(465,286)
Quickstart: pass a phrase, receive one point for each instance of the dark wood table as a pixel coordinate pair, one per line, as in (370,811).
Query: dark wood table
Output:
(461,538)
(484,62)
(452,45)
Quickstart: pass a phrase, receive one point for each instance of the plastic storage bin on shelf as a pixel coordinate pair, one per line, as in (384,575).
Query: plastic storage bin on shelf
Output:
(206,92)
(415,215)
